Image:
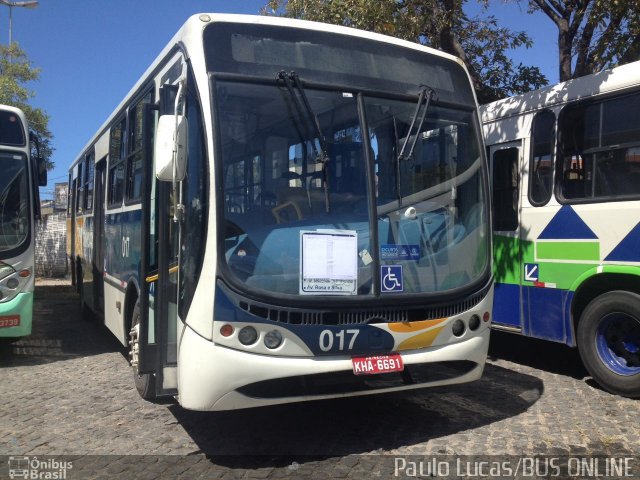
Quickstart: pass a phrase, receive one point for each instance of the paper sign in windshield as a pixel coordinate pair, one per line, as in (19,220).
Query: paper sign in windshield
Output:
(399,252)
(328,262)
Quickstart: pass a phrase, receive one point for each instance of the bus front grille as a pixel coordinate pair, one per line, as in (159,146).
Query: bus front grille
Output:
(358,317)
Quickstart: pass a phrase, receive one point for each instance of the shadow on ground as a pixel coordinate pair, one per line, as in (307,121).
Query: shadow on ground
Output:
(272,436)
(59,331)
(276,436)
(544,355)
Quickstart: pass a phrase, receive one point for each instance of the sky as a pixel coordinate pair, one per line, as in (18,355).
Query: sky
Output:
(91,52)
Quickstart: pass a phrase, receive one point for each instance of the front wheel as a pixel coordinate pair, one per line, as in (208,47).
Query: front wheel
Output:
(145,382)
(609,342)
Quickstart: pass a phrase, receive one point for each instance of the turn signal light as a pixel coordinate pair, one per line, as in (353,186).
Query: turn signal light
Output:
(226,330)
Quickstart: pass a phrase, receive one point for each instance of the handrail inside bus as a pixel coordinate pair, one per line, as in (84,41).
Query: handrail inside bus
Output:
(154,277)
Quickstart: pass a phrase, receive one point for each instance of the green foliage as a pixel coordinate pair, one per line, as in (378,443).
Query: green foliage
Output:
(15,72)
(479,41)
(593,34)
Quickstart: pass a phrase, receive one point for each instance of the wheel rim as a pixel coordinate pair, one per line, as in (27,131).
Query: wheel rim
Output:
(618,343)
(134,346)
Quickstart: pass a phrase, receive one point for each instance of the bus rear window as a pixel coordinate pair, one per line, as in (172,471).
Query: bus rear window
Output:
(11,130)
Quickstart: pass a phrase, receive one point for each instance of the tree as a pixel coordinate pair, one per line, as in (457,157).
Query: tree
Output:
(441,24)
(15,72)
(593,34)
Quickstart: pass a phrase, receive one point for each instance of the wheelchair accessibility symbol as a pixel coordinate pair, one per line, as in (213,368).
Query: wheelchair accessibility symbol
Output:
(391,278)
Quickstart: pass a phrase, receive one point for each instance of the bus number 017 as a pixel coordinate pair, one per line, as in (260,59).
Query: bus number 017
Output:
(327,338)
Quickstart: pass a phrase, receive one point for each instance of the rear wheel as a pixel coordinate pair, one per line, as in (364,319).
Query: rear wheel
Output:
(609,342)
(145,382)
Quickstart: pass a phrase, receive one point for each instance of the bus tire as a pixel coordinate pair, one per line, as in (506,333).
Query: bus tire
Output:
(145,382)
(609,342)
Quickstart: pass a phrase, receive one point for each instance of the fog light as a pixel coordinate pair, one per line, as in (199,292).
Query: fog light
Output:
(226,330)
(273,339)
(247,335)
(13,283)
(458,328)
(474,322)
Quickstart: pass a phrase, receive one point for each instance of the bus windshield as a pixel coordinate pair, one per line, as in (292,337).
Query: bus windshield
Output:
(364,178)
(429,207)
(14,211)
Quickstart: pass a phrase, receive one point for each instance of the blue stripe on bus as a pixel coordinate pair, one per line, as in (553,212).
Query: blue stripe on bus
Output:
(118,227)
(370,340)
(506,304)
(547,311)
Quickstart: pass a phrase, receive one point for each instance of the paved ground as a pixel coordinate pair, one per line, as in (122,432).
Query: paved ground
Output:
(67,390)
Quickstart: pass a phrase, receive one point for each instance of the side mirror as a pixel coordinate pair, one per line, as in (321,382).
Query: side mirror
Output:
(42,172)
(171,137)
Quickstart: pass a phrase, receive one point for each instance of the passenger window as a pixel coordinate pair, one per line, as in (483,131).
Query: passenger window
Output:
(541,165)
(80,189)
(600,148)
(136,149)
(88,182)
(116,163)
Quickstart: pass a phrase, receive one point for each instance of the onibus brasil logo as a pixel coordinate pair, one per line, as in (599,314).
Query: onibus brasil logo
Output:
(32,468)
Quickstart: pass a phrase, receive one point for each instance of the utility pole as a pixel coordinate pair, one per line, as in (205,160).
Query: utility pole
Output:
(11,4)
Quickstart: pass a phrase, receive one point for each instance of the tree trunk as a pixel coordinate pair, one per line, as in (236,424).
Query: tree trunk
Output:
(565,42)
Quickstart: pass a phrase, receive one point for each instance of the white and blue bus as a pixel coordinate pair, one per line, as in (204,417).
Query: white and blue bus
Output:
(282,211)
(21,175)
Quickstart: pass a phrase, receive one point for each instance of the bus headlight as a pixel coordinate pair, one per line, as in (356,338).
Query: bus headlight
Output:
(458,328)
(474,322)
(273,339)
(12,282)
(248,335)
(5,270)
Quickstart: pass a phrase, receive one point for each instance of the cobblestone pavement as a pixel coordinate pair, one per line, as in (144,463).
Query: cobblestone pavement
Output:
(68,390)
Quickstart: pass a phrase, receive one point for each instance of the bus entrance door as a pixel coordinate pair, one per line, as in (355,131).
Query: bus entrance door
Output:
(158,293)
(507,248)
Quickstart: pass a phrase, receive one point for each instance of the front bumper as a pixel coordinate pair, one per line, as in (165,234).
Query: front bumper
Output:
(212,377)
(22,308)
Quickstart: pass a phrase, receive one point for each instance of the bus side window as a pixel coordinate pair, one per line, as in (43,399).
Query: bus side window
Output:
(79,189)
(133,188)
(116,163)
(505,189)
(542,158)
(88,182)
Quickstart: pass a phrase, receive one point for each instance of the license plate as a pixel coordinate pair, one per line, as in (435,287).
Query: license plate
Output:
(10,321)
(377,364)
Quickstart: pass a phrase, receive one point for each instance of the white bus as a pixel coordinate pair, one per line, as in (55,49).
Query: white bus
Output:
(19,207)
(283,211)
(566,188)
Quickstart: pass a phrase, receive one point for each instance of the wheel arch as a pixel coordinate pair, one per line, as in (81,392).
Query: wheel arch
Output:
(598,281)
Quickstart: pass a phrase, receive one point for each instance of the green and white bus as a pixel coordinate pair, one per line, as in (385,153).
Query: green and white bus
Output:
(565,163)
(19,207)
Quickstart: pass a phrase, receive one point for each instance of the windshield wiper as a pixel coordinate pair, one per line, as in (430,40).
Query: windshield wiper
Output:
(301,102)
(426,94)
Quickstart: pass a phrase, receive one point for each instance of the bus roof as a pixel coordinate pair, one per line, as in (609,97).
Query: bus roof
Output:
(600,83)
(196,23)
